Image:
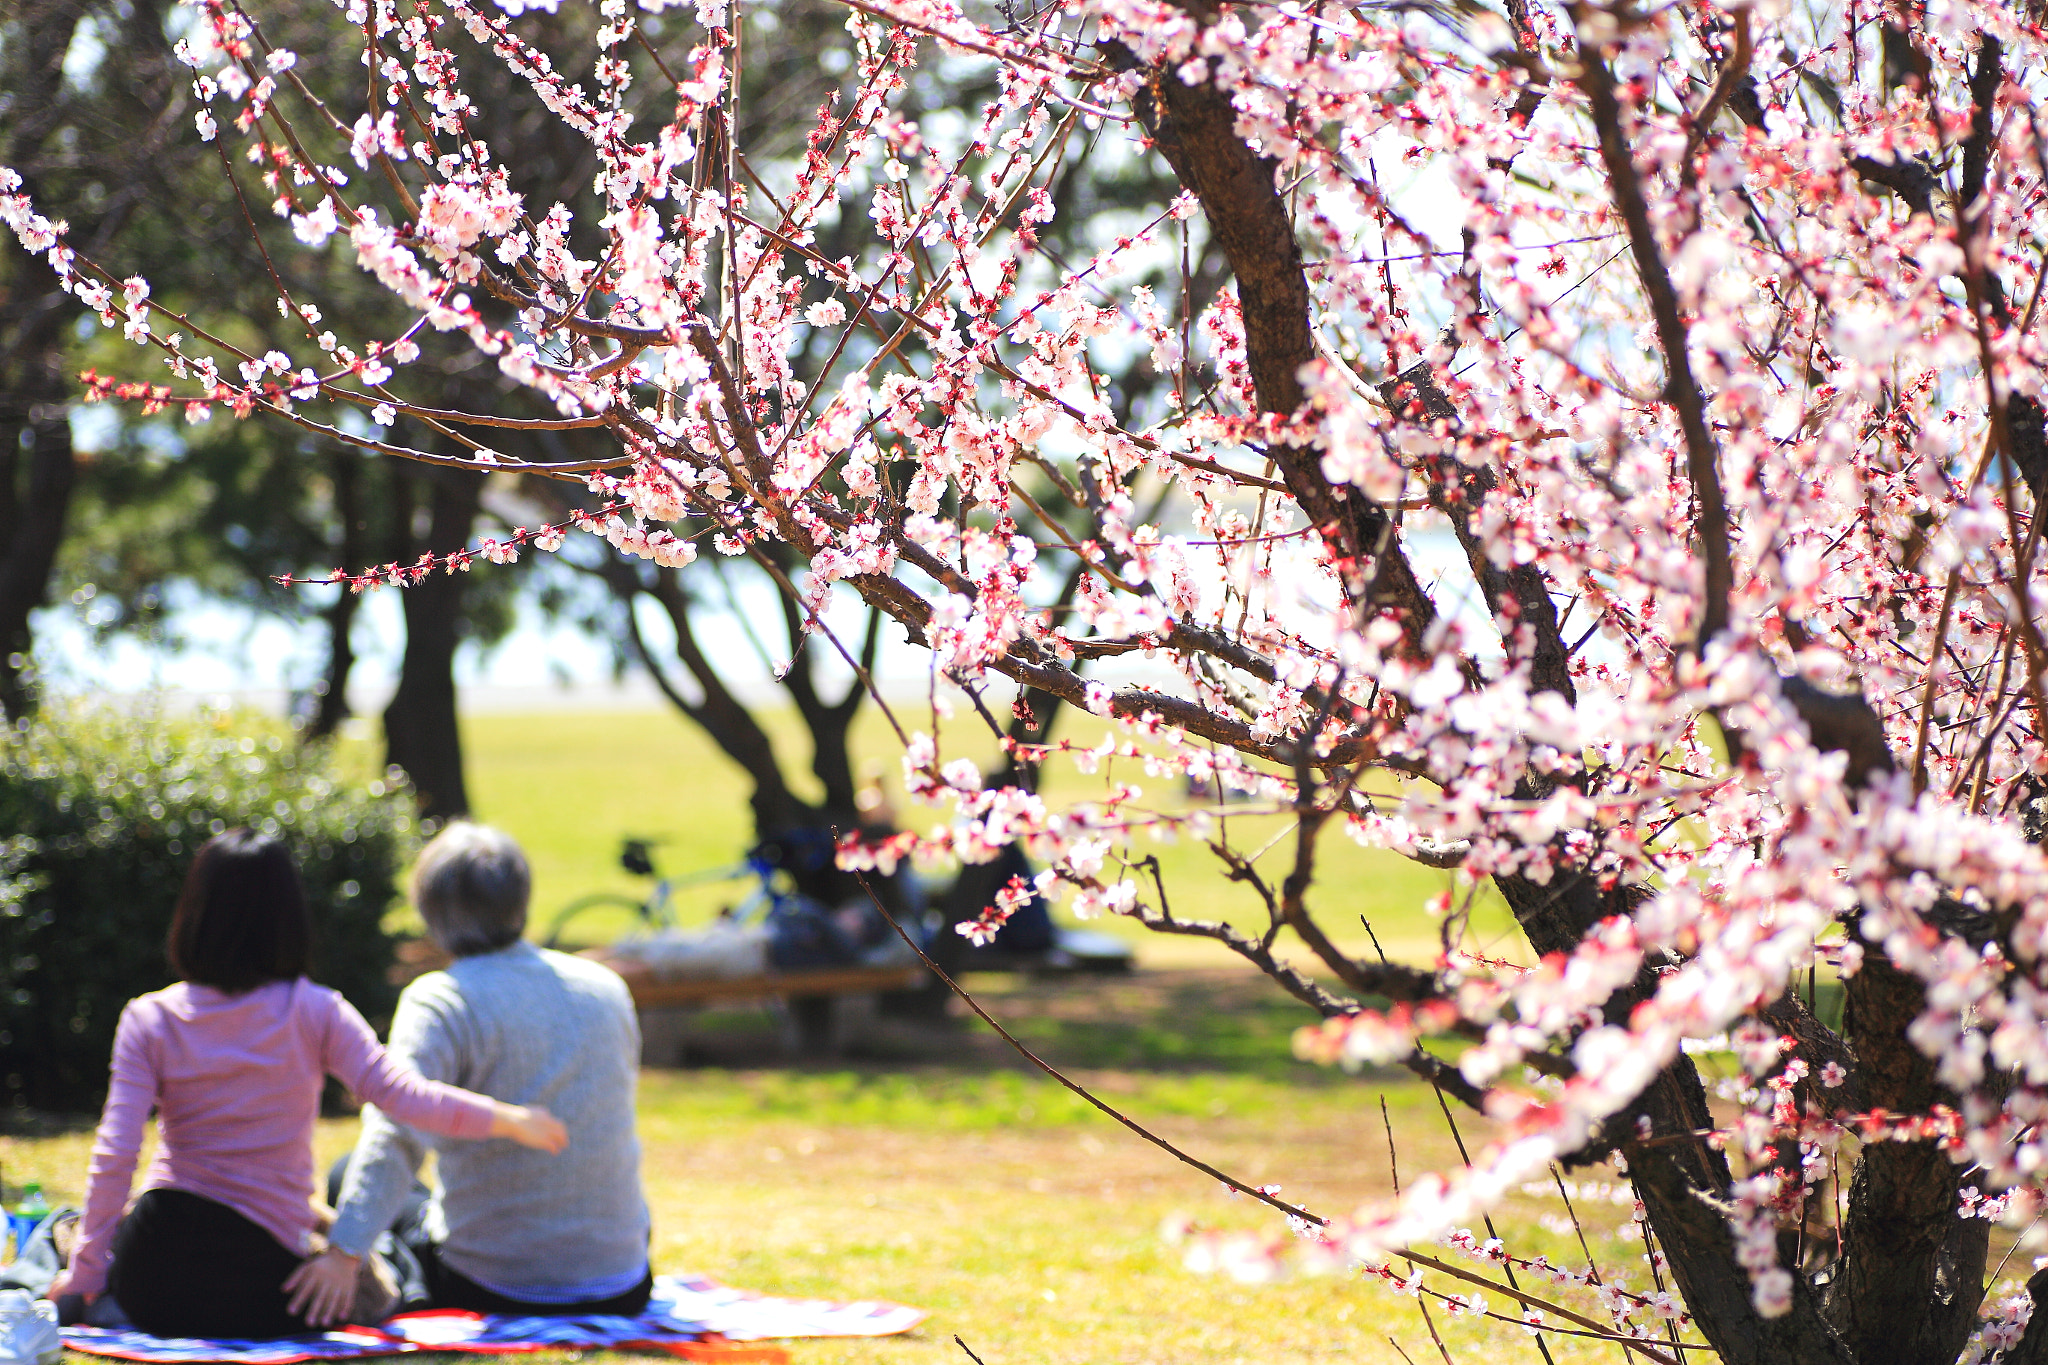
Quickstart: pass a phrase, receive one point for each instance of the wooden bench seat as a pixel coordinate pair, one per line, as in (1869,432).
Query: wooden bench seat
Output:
(649,993)
(823,1010)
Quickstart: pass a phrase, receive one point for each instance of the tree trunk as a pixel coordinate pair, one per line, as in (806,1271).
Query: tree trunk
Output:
(1194,128)
(799,831)
(341,617)
(829,723)
(729,724)
(37,468)
(789,829)
(421,733)
(1911,1274)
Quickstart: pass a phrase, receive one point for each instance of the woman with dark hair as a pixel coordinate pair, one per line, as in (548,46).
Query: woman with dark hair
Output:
(232,1058)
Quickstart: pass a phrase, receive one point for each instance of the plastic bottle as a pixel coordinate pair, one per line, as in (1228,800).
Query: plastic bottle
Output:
(24,1218)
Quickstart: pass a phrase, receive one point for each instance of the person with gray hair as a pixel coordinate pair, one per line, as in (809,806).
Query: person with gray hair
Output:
(504,1234)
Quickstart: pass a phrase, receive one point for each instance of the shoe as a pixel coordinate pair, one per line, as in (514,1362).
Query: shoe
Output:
(28,1330)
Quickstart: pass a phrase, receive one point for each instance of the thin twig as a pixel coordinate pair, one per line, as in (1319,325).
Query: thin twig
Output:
(1393,1165)
(1507,1267)
(1414,1258)
(1948,602)
(1430,1323)
(1028,1055)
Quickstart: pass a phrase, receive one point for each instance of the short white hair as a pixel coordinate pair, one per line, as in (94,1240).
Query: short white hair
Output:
(471,887)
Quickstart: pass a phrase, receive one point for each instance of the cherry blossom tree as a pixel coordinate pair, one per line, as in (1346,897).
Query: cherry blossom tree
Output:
(1702,337)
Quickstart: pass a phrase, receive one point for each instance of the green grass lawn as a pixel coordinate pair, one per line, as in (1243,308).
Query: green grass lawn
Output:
(939,1170)
(1027,1223)
(570,785)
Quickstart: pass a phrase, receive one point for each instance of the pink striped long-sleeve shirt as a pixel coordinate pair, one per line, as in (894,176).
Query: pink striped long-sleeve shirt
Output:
(235,1081)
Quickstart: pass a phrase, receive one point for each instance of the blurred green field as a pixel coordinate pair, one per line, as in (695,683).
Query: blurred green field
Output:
(1027,1223)
(569,785)
(940,1170)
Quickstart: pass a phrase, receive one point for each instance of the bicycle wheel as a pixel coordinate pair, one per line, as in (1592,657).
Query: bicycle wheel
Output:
(617,900)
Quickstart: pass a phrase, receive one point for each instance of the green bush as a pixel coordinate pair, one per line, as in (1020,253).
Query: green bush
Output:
(103,812)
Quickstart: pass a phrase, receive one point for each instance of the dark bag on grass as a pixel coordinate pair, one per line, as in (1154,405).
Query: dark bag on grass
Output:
(804,935)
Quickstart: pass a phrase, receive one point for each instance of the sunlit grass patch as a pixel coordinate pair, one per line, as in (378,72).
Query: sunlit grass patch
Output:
(939,1169)
(1025,1221)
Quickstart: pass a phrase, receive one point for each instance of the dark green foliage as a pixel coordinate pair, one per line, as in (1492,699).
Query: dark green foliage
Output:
(104,812)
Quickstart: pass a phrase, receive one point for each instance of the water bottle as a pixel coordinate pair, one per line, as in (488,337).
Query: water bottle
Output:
(24,1218)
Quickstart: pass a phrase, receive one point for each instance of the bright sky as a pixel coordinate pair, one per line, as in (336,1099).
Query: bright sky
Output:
(234,650)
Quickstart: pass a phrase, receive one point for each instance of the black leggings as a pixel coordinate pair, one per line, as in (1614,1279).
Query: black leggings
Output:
(453,1289)
(186,1266)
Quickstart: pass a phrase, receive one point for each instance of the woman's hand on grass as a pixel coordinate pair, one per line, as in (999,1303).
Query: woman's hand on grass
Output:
(323,1288)
(531,1127)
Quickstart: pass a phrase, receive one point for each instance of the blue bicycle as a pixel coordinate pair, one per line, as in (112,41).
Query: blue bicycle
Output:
(801,932)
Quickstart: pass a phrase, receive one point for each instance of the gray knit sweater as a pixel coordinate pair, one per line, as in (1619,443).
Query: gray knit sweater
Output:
(526,1026)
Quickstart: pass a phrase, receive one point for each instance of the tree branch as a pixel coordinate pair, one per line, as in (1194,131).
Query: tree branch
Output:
(1194,128)
(1681,389)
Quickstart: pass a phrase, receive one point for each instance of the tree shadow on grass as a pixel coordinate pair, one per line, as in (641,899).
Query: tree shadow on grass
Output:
(32,1124)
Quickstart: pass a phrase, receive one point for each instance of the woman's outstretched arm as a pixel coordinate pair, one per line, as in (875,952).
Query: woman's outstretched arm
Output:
(355,1056)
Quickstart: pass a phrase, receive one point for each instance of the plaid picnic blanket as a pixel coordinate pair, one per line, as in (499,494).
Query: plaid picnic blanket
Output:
(689,1316)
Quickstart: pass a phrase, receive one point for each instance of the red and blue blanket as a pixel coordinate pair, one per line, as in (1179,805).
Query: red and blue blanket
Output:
(689,1316)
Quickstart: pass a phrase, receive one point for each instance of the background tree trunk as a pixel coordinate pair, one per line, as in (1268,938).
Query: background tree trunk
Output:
(974,890)
(341,617)
(37,472)
(37,468)
(421,731)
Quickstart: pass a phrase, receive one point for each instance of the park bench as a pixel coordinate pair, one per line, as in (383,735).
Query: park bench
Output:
(822,1011)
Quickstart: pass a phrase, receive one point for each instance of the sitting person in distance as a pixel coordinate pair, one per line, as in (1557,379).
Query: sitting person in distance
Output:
(505,1233)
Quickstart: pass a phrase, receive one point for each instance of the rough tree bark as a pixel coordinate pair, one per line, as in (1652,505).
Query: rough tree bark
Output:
(1911,1274)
